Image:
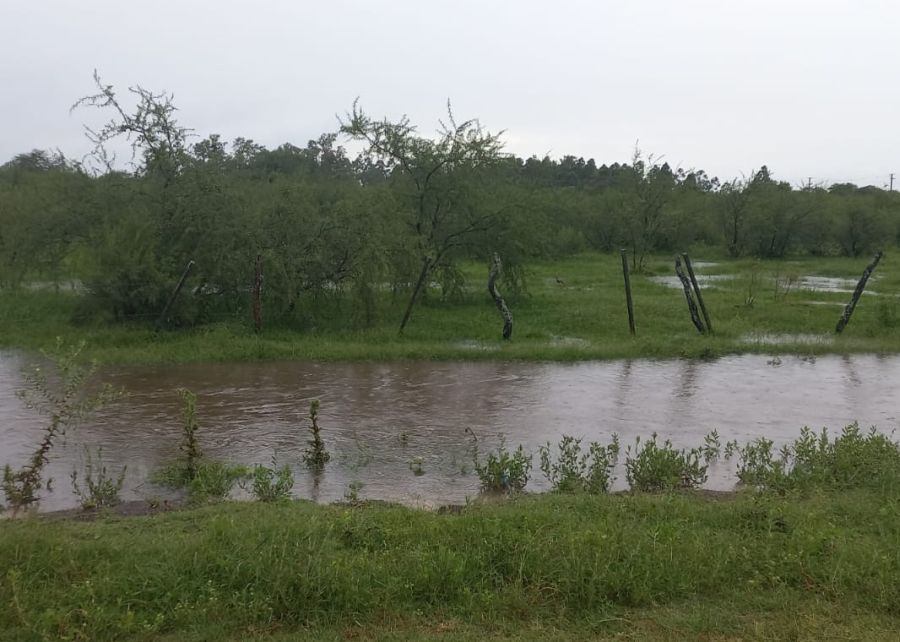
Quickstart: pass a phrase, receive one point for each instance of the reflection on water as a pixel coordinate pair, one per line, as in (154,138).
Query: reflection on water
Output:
(377,417)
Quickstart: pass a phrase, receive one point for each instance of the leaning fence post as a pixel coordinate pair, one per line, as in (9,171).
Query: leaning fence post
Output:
(165,312)
(690,269)
(628,302)
(494,272)
(688,294)
(860,286)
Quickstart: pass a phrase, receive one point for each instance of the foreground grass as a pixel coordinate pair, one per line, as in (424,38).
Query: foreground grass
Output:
(542,567)
(574,309)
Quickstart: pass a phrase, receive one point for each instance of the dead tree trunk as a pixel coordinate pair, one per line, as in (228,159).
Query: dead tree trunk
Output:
(690,269)
(850,307)
(257,295)
(688,294)
(426,265)
(628,302)
(165,313)
(493,274)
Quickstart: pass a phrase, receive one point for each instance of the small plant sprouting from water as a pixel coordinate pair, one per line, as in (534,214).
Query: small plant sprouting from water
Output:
(712,447)
(416,466)
(315,455)
(98,488)
(503,471)
(66,401)
(184,470)
(353,490)
(190,449)
(651,467)
(575,471)
(271,484)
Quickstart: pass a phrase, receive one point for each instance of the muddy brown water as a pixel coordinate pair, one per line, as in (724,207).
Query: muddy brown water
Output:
(378,417)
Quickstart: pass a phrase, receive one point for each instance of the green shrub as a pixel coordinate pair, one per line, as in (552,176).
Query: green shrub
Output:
(214,480)
(271,484)
(651,467)
(852,460)
(573,470)
(503,470)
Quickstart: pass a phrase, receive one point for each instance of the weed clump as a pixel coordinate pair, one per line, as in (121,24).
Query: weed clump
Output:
(575,471)
(271,484)
(652,467)
(503,471)
(853,459)
(98,488)
(214,480)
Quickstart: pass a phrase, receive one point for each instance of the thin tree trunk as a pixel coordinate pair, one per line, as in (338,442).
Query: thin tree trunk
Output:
(850,307)
(493,274)
(426,265)
(690,269)
(165,312)
(688,294)
(257,295)
(628,302)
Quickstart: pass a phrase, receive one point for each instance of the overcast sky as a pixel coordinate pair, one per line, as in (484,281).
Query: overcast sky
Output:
(809,88)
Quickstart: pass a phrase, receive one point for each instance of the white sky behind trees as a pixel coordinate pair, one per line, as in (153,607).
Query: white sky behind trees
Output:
(809,88)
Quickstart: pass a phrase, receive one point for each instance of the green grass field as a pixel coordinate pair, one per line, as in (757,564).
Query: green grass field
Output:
(644,567)
(583,317)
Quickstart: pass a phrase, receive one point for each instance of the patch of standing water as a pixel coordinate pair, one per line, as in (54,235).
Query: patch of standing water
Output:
(704,280)
(830,284)
(569,342)
(771,339)
(376,418)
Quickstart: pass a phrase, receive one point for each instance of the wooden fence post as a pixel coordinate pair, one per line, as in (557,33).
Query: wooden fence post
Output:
(688,294)
(860,286)
(628,302)
(690,269)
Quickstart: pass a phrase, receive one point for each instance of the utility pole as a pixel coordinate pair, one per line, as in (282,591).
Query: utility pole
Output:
(892,181)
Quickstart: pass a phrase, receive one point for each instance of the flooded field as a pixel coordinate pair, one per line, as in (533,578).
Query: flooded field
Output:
(377,418)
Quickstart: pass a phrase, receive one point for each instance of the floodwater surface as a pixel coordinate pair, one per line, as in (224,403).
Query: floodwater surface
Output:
(377,418)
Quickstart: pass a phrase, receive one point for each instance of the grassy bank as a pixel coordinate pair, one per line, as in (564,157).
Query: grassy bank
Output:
(574,309)
(677,566)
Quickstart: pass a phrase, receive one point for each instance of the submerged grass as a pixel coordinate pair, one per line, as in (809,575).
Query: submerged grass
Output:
(556,566)
(574,310)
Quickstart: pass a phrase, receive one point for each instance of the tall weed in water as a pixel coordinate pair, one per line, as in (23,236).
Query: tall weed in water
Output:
(183,471)
(98,489)
(315,455)
(65,399)
(653,467)
(572,470)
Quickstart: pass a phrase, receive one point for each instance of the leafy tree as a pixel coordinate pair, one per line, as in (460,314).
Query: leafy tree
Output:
(436,178)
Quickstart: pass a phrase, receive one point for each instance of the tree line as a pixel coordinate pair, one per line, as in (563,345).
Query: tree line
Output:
(397,218)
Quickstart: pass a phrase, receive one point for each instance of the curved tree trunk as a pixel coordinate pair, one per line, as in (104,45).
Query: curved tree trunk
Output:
(426,265)
(493,274)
